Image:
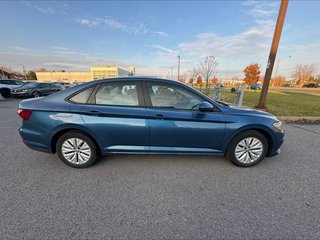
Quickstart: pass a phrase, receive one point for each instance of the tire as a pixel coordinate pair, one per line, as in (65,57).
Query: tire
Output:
(36,94)
(76,158)
(5,93)
(247,149)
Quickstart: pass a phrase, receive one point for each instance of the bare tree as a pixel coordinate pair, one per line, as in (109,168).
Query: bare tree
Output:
(207,68)
(302,73)
(192,74)
(41,70)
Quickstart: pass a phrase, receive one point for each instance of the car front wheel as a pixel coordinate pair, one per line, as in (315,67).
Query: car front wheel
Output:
(36,94)
(76,150)
(247,149)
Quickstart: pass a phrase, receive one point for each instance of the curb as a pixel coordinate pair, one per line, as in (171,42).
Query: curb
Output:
(299,119)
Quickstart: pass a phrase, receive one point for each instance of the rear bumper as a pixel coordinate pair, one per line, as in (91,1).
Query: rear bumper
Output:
(35,141)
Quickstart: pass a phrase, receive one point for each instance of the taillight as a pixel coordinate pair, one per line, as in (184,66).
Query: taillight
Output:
(24,114)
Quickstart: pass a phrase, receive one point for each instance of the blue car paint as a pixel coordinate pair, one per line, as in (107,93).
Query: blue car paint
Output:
(139,129)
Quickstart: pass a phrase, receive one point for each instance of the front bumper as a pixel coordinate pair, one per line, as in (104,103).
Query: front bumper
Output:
(21,94)
(277,142)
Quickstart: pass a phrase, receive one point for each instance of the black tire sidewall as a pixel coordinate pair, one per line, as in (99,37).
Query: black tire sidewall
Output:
(5,93)
(83,137)
(251,133)
(34,94)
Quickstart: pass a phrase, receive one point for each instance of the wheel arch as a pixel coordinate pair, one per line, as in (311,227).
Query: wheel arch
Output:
(4,89)
(61,132)
(259,129)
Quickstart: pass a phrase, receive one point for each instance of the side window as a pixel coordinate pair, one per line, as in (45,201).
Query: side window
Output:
(81,97)
(117,93)
(171,96)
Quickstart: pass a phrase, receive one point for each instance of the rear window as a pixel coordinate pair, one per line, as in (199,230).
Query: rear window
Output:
(82,97)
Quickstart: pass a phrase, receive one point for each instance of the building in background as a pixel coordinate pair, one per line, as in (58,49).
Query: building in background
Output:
(6,73)
(96,72)
(64,76)
(108,71)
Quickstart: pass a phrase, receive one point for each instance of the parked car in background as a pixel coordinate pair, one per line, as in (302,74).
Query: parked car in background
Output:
(35,90)
(288,85)
(146,116)
(256,86)
(7,84)
(311,85)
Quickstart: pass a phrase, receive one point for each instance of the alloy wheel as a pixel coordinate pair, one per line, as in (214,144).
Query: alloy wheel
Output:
(76,151)
(249,150)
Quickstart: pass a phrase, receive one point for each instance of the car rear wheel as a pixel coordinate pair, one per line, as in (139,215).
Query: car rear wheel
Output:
(76,150)
(36,94)
(247,149)
(5,93)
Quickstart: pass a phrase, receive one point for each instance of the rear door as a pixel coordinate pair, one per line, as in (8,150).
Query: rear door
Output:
(117,115)
(176,124)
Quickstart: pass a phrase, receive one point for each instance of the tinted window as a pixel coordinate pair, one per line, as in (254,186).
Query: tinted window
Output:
(117,93)
(31,85)
(171,96)
(7,82)
(82,97)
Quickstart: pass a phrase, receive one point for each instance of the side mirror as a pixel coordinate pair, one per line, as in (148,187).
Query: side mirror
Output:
(206,107)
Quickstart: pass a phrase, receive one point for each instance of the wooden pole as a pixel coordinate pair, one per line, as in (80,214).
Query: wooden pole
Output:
(273,53)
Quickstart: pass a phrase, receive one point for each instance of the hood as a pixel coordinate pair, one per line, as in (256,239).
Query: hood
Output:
(249,111)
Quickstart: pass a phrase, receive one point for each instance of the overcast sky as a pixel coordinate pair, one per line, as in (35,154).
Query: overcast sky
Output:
(150,34)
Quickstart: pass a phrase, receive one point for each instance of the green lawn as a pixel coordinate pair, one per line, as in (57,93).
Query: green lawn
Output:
(283,103)
(286,103)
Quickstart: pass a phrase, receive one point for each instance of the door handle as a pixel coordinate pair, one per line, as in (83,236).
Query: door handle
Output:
(94,112)
(159,116)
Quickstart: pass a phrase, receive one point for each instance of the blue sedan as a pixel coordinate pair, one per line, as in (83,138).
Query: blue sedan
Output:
(135,115)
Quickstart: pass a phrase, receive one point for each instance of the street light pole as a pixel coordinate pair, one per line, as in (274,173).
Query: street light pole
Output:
(273,53)
(178,67)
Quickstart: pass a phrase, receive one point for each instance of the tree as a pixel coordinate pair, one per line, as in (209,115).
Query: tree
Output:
(31,75)
(278,81)
(199,80)
(302,73)
(207,68)
(214,80)
(191,75)
(42,70)
(252,74)
(181,79)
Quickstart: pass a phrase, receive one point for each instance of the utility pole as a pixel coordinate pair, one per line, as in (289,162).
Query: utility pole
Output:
(275,72)
(24,72)
(178,67)
(273,53)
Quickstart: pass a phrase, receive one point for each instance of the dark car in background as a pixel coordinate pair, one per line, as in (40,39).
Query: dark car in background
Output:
(311,85)
(147,116)
(35,90)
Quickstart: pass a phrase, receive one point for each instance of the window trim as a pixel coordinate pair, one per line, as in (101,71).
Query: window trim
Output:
(67,99)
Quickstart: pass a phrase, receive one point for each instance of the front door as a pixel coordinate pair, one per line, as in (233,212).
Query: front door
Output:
(177,125)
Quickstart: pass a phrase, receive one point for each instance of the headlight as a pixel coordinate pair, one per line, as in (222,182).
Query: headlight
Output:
(278,126)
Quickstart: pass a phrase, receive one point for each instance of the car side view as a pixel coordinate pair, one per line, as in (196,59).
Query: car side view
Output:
(135,115)
(35,90)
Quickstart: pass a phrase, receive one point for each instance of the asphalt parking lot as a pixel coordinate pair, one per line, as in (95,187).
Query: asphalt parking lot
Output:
(143,197)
